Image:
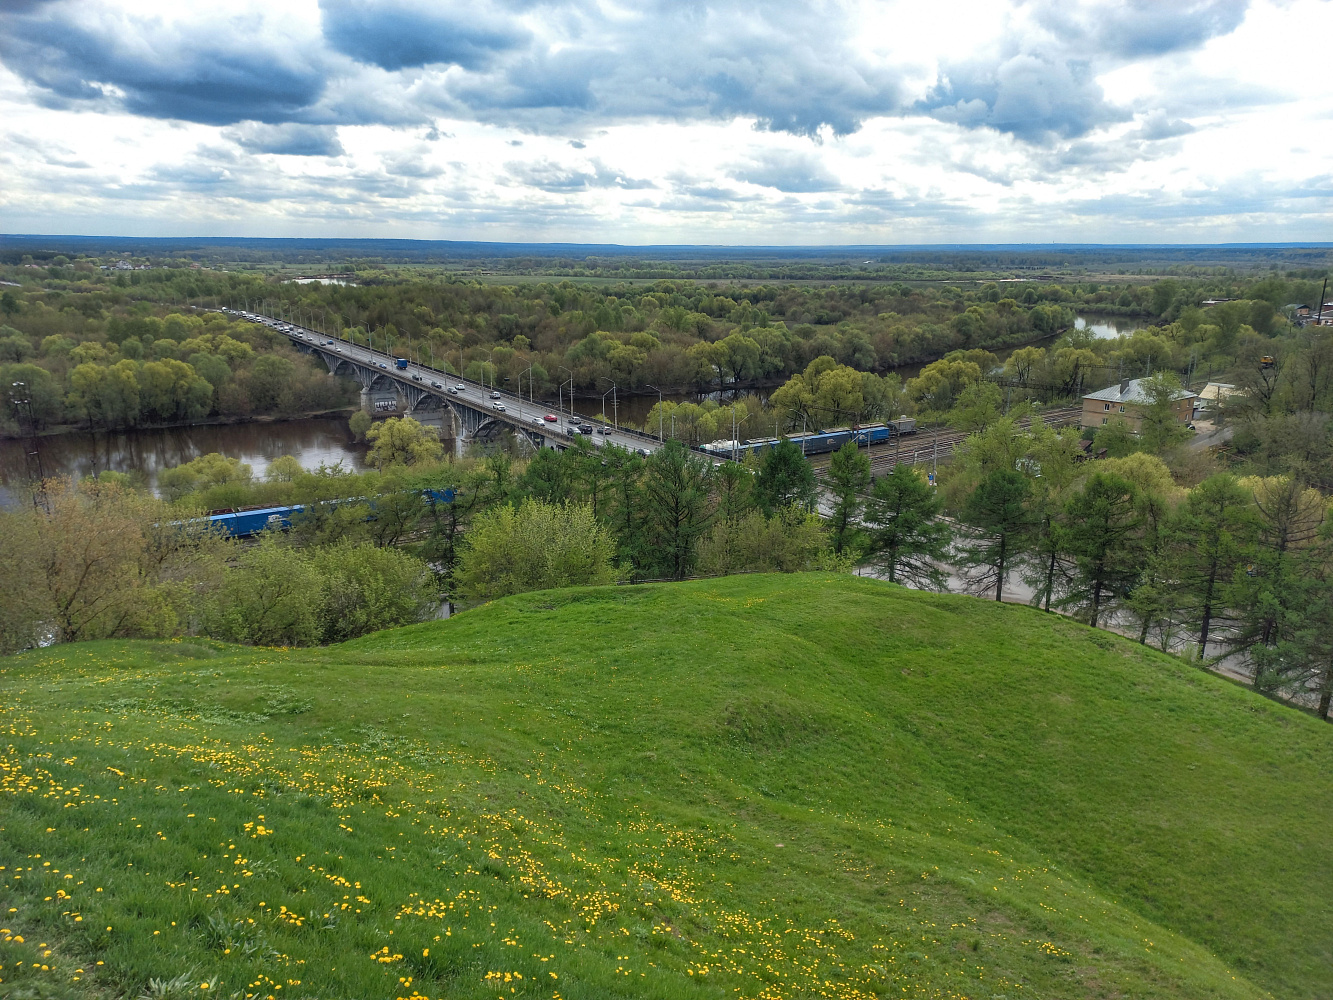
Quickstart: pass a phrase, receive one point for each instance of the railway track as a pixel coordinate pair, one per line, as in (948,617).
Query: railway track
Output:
(937,444)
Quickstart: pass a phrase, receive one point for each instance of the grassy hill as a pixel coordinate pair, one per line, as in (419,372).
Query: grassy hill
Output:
(786,786)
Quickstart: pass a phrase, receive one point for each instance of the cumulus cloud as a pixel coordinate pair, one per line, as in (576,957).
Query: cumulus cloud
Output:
(794,172)
(212,70)
(889,115)
(1131,29)
(288,139)
(397,34)
(555,177)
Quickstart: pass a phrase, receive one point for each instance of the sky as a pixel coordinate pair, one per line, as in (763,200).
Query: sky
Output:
(680,121)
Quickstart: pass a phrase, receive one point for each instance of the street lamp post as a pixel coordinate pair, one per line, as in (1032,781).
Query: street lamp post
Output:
(659,412)
(615,403)
(559,395)
(520,391)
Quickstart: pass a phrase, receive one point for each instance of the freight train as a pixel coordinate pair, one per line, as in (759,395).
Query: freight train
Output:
(819,443)
(243,522)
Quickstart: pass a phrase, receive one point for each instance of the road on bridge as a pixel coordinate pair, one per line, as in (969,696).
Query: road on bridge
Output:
(497,404)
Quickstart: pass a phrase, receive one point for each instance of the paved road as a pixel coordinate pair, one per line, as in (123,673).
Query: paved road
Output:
(504,405)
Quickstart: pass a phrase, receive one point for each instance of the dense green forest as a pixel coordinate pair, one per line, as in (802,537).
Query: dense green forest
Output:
(122,348)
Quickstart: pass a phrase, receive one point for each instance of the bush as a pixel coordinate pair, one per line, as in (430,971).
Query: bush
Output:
(534,547)
(281,596)
(791,541)
(367,589)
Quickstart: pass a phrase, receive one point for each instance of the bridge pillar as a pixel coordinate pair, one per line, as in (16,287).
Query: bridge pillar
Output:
(381,401)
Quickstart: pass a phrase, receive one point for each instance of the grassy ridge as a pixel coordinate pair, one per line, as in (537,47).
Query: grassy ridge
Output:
(760,786)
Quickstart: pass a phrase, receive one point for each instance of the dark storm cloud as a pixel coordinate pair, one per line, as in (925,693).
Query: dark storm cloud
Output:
(289,139)
(398,35)
(192,74)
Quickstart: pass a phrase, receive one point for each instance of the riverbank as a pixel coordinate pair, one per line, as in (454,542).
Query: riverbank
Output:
(322,439)
(343,412)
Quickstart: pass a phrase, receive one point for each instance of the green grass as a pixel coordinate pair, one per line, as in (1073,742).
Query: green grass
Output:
(772,786)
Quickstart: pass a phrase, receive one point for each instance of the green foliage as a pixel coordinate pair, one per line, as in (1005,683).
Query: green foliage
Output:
(278,595)
(848,480)
(402,441)
(675,492)
(785,479)
(202,473)
(997,511)
(359,423)
(1214,534)
(909,540)
(1101,534)
(792,540)
(535,546)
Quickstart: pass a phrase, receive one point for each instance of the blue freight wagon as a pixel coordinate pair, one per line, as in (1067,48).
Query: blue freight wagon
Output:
(242,522)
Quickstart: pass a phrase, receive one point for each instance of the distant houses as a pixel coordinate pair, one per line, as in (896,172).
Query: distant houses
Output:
(1127,402)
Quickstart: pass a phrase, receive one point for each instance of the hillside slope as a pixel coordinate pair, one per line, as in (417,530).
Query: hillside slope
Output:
(778,786)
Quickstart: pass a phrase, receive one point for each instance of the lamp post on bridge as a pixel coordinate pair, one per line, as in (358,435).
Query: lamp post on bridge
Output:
(659,411)
(520,390)
(615,403)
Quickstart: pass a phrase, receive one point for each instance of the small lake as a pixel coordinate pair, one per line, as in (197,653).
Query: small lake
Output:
(1108,327)
(147,451)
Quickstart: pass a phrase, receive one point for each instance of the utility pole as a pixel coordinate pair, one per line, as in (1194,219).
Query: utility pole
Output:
(934,451)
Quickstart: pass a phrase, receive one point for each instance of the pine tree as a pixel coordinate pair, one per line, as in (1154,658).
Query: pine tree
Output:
(1214,534)
(908,538)
(1001,525)
(676,509)
(848,479)
(785,478)
(1101,535)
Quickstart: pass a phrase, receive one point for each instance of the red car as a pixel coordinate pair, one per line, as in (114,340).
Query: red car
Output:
(550,418)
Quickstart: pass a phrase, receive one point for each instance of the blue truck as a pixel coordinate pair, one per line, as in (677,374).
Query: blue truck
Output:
(401,363)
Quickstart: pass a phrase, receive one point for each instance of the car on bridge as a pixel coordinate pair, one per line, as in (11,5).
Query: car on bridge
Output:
(499,406)
(550,418)
(436,385)
(384,366)
(460,387)
(495,395)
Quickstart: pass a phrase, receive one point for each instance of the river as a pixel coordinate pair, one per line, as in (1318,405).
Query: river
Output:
(143,453)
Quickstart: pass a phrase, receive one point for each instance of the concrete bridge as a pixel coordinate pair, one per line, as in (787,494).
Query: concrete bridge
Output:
(466,410)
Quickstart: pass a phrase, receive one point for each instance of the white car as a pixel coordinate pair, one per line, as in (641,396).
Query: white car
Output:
(499,406)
